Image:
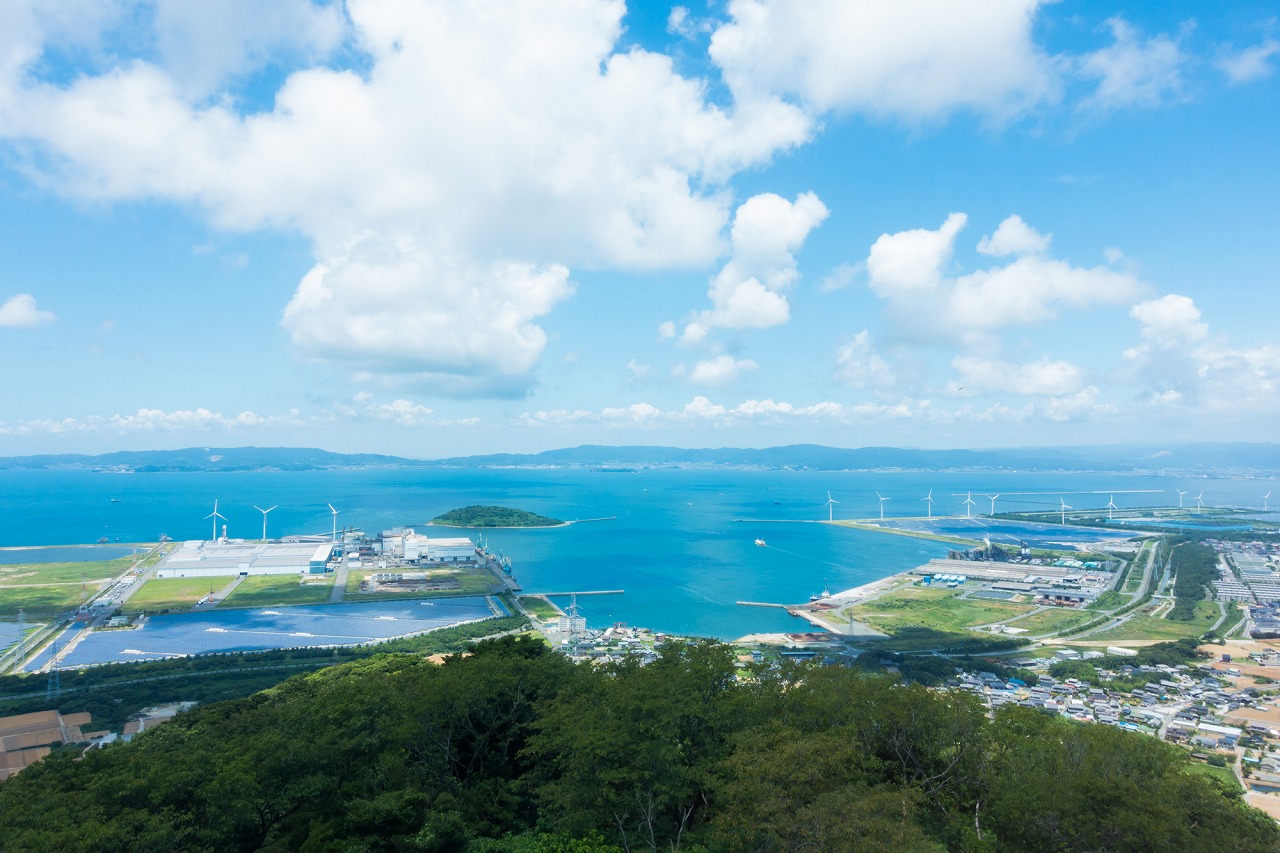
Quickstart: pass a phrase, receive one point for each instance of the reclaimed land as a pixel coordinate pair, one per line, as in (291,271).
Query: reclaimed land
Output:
(941,610)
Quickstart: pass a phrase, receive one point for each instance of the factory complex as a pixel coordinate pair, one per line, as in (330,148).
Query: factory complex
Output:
(312,556)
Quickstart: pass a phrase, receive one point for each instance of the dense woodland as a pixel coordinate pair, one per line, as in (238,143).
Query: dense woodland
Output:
(1195,567)
(493,516)
(515,748)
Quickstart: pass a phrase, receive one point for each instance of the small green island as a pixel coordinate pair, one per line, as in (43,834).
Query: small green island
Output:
(494,516)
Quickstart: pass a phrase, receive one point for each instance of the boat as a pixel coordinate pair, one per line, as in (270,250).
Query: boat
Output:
(103,541)
(826,592)
(761,543)
(116,501)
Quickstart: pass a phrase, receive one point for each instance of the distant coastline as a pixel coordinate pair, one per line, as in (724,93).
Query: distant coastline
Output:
(1196,460)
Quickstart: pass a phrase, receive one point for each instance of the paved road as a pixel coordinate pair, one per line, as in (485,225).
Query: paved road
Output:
(339,583)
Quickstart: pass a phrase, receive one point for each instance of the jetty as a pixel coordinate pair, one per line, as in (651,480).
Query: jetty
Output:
(581,592)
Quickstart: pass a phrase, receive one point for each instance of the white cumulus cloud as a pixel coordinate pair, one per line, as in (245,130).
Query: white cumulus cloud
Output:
(19,311)
(749,291)
(534,139)
(909,271)
(910,59)
(720,370)
(1014,237)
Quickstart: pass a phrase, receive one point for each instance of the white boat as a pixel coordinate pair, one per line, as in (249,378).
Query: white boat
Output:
(760,542)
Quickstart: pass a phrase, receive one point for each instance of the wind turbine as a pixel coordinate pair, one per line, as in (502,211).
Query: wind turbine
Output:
(1180,494)
(831,502)
(882,500)
(335,521)
(993,503)
(215,515)
(1064,510)
(1111,507)
(1266,498)
(929,501)
(1199,502)
(264,519)
(969,504)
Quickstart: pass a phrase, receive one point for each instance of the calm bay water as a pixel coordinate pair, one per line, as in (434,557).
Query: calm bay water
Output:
(676,545)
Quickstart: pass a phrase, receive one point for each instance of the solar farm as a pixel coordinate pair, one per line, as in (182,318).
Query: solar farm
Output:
(213,632)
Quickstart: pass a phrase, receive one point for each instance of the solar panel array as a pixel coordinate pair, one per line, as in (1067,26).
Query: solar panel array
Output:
(308,626)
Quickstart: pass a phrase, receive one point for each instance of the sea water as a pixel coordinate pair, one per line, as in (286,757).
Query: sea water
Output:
(680,542)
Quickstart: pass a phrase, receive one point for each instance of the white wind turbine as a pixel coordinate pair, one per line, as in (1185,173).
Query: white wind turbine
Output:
(1064,510)
(882,500)
(969,504)
(1180,494)
(1111,507)
(335,521)
(1199,501)
(1266,498)
(993,503)
(929,504)
(264,519)
(215,515)
(831,502)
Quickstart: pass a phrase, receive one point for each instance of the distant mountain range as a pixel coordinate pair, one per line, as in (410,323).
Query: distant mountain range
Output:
(1236,458)
(211,459)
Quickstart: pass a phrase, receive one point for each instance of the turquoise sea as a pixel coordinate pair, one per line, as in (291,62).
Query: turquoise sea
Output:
(676,545)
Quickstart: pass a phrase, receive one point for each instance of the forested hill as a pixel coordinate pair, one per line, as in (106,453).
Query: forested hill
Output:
(516,749)
(493,516)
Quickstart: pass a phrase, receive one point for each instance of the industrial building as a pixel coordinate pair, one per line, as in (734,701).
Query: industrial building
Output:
(203,559)
(412,547)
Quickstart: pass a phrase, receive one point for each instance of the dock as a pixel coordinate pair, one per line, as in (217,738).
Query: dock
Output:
(581,592)
(763,604)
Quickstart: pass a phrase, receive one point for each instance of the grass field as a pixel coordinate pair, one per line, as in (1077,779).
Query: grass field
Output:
(1056,619)
(539,607)
(94,570)
(1226,774)
(941,610)
(258,590)
(1150,628)
(39,601)
(172,593)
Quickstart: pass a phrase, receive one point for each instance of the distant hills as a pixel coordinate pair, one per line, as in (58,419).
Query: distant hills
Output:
(1235,458)
(211,459)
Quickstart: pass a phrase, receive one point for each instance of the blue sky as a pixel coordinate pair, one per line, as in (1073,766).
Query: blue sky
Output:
(445,228)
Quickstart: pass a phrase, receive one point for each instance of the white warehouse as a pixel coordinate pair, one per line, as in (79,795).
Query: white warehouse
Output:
(203,559)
